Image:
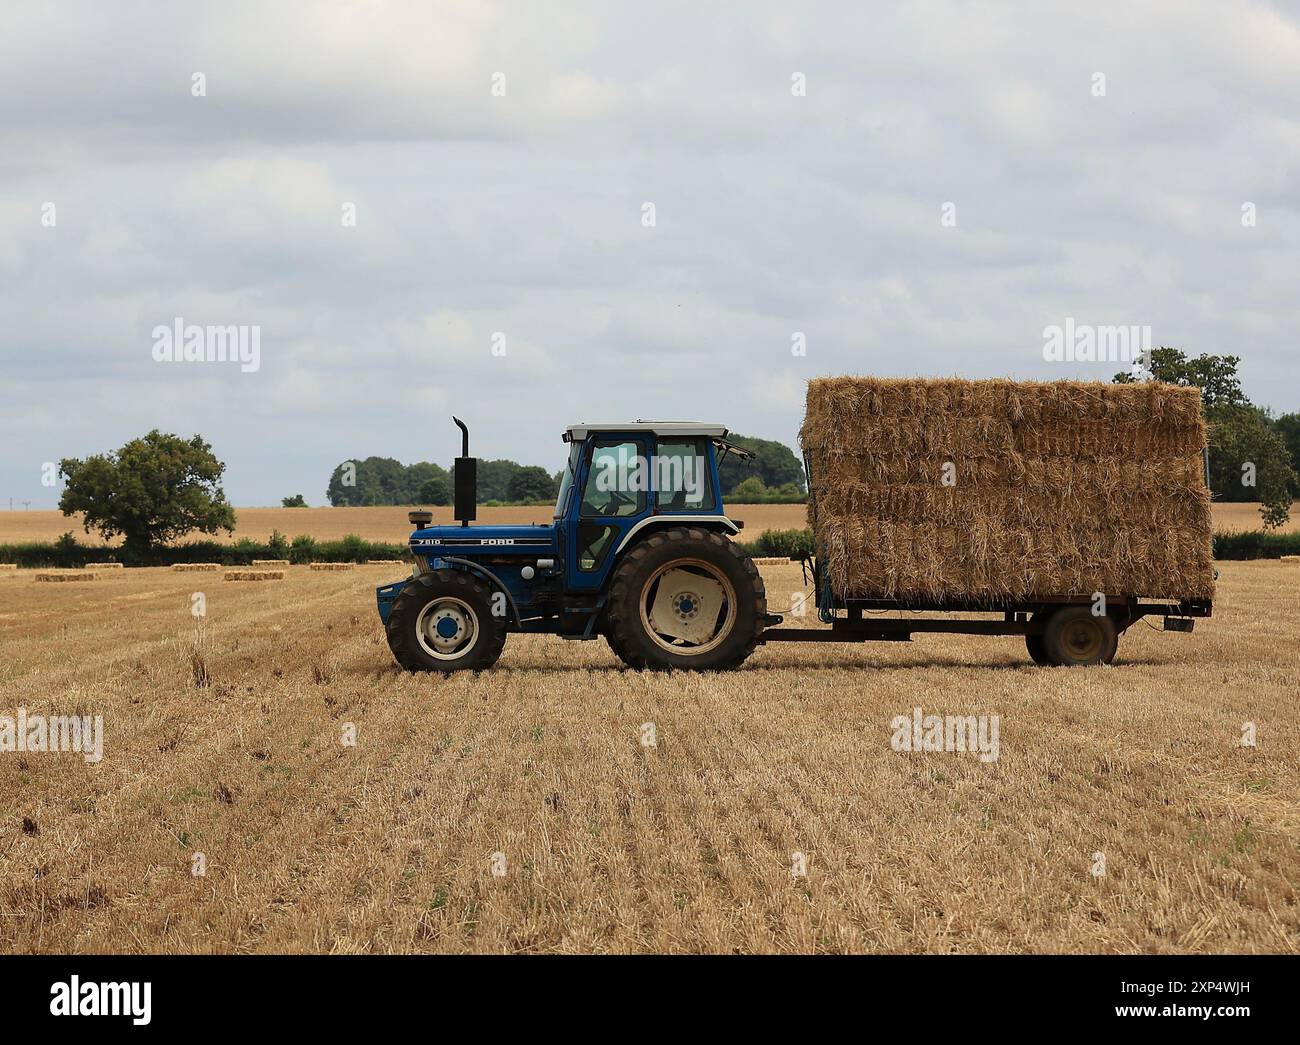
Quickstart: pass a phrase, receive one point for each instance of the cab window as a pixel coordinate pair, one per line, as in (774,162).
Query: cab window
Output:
(682,476)
(615,484)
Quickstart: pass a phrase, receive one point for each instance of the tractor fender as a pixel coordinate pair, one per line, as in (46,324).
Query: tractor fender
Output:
(720,523)
(491,578)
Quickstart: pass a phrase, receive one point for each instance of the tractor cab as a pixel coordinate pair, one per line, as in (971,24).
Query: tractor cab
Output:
(622,484)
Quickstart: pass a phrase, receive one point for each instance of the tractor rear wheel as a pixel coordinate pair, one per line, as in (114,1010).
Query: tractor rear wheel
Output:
(443,621)
(1076,637)
(685,598)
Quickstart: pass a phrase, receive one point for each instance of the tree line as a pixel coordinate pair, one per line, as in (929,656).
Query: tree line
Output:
(160,486)
(774,473)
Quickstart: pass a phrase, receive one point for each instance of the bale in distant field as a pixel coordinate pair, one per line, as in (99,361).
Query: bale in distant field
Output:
(385,562)
(254,575)
(1290,558)
(331,566)
(982,490)
(71,575)
(196,567)
(8,566)
(270,563)
(772,560)
(104,566)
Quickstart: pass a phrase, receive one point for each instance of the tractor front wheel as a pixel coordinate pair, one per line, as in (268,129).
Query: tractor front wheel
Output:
(685,598)
(443,621)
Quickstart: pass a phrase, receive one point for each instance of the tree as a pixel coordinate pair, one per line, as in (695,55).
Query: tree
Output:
(748,491)
(427,483)
(1215,376)
(1288,427)
(151,491)
(375,480)
(1249,459)
(435,490)
(774,463)
(296,501)
(531,483)
(494,479)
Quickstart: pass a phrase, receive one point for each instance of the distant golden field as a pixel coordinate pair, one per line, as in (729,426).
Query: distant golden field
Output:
(389,524)
(374,524)
(538,770)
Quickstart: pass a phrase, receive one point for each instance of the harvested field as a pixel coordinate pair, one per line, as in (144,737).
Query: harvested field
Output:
(610,845)
(933,489)
(390,525)
(373,524)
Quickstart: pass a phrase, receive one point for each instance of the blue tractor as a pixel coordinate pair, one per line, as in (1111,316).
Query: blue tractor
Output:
(639,550)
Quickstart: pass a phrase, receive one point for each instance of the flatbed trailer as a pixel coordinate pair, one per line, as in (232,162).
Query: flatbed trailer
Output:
(1084,640)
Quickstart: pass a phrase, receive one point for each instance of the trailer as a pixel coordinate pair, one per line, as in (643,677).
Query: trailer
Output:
(640,551)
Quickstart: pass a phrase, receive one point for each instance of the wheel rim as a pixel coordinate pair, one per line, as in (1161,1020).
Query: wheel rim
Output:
(447,628)
(688,607)
(1082,639)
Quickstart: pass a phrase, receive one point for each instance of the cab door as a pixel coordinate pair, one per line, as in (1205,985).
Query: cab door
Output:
(612,497)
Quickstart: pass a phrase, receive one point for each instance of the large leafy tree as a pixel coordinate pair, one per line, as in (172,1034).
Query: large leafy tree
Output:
(531,483)
(774,463)
(153,490)
(1288,427)
(1249,459)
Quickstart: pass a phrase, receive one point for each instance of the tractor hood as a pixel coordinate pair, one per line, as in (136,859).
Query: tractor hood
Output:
(469,540)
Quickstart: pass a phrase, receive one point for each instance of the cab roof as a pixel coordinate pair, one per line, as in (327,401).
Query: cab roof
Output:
(577,433)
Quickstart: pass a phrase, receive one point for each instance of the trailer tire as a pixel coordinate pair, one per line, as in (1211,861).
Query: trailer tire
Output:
(472,637)
(1076,637)
(1037,651)
(712,558)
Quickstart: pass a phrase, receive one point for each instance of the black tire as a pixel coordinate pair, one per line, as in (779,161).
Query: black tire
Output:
(622,654)
(1035,645)
(1037,651)
(641,568)
(1076,637)
(460,596)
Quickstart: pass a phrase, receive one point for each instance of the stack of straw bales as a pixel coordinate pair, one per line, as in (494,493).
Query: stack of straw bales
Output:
(1057,488)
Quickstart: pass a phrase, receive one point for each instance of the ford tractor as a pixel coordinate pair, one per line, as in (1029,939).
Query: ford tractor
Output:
(638,550)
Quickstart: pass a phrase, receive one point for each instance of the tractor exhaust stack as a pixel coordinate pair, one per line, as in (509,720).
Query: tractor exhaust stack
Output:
(465,478)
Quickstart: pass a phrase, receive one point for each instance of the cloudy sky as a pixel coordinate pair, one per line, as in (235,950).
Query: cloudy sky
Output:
(500,156)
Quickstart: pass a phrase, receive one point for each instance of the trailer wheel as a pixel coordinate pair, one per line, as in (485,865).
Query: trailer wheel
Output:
(443,621)
(685,598)
(1076,637)
(1037,650)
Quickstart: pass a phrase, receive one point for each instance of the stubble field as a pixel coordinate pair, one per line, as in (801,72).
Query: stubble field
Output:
(538,769)
(389,523)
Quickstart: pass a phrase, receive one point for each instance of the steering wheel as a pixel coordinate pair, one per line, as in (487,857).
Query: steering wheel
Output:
(616,500)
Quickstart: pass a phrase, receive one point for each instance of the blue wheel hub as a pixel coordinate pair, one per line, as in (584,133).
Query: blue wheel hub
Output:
(447,628)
